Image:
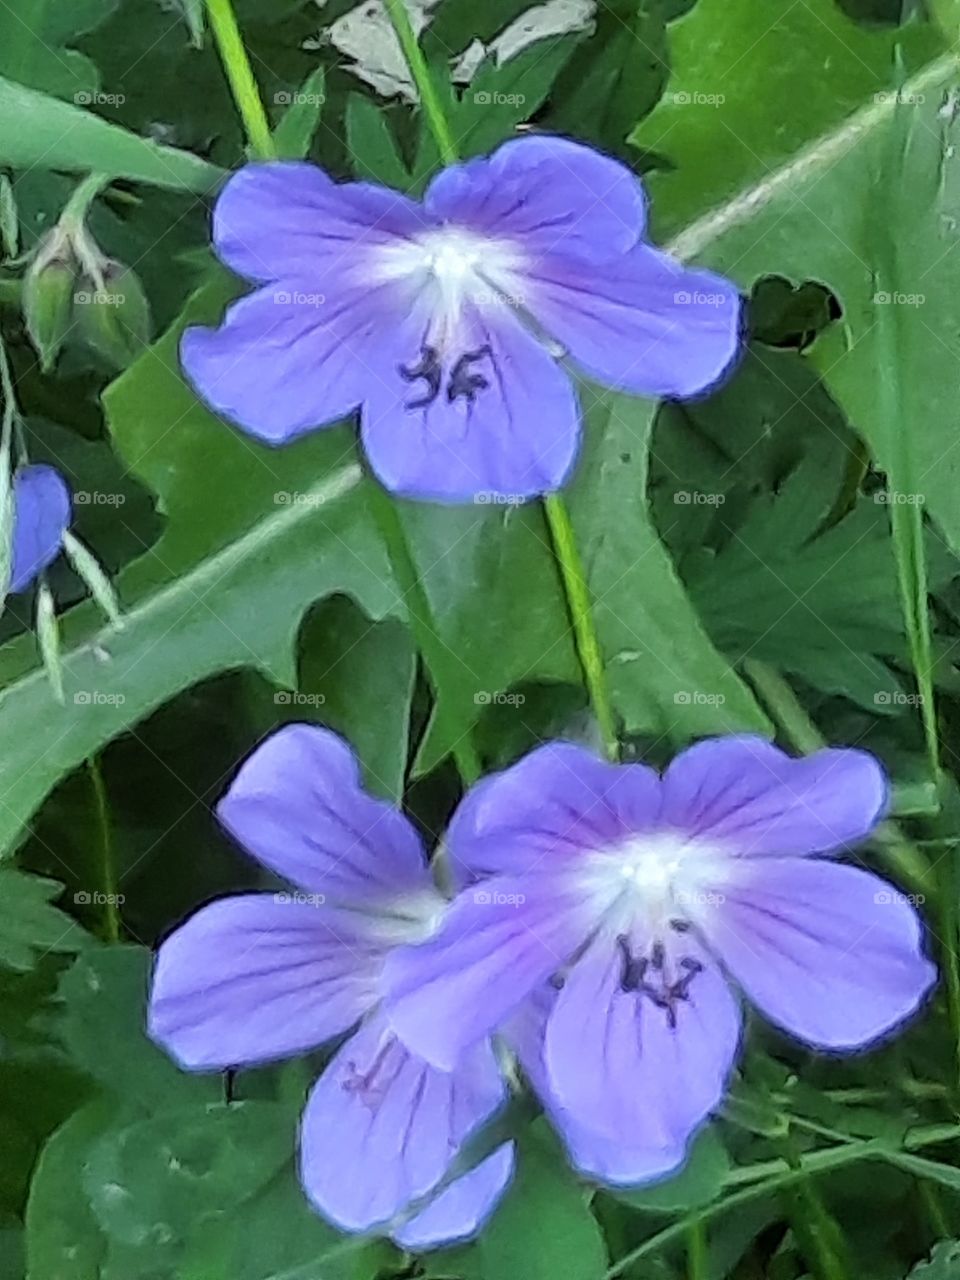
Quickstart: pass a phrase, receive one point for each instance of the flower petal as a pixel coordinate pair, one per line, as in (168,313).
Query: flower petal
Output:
(748,794)
(293,356)
(547,809)
(298,806)
(462,1208)
(624,1070)
(288,218)
(254,978)
(381,1127)
(646,325)
(514,438)
(41,516)
(829,952)
(498,943)
(551,194)
(609,1160)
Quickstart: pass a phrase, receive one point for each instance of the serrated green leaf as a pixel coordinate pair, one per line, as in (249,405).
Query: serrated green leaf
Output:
(36,39)
(372,147)
(30,926)
(725,121)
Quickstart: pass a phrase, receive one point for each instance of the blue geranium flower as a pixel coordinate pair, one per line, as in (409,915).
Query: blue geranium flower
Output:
(449,322)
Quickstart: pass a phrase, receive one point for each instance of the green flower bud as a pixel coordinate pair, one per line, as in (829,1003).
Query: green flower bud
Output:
(47,301)
(114,320)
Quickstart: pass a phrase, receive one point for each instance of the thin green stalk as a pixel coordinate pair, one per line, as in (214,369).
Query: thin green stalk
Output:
(247,97)
(698,1254)
(108,871)
(772,1176)
(243,85)
(815,1227)
(569,561)
(580,608)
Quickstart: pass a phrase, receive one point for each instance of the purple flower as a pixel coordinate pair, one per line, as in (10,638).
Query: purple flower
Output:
(41,516)
(258,977)
(445,320)
(649,900)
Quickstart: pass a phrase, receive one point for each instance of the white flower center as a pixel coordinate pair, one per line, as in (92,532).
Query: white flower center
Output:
(656,878)
(453,266)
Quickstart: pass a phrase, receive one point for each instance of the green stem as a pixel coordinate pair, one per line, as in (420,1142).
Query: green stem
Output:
(243,85)
(774,1175)
(249,104)
(418,610)
(577,592)
(698,1254)
(814,1226)
(429,98)
(565,550)
(108,873)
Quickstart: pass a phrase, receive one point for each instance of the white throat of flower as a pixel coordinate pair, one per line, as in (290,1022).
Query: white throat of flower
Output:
(648,881)
(452,266)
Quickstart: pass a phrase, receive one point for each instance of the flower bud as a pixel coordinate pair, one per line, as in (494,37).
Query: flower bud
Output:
(47,302)
(114,320)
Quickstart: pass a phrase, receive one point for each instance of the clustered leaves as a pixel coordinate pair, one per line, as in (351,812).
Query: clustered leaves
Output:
(761,559)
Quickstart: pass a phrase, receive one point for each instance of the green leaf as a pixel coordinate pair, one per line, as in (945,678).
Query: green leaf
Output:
(699,1181)
(502,95)
(63,1240)
(373,150)
(104,1004)
(822,605)
(159,1180)
(44,132)
(288,527)
(28,922)
(360,678)
(294,133)
(725,121)
(34,35)
(613,77)
(778,227)
(543,1229)
(665,676)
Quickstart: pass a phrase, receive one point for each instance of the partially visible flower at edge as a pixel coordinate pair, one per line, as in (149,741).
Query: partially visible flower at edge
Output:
(41,516)
(647,901)
(445,320)
(259,977)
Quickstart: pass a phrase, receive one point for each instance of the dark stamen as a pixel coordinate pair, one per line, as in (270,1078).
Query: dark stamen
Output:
(430,370)
(462,381)
(662,993)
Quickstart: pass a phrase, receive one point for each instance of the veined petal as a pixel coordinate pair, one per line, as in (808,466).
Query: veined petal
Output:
(546,810)
(644,324)
(298,806)
(461,1208)
(628,1070)
(382,1127)
(610,1160)
(41,516)
(491,415)
(549,194)
(747,794)
(287,218)
(255,978)
(296,355)
(499,941)
(831,953)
